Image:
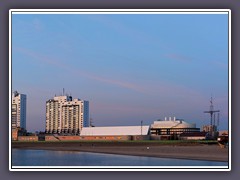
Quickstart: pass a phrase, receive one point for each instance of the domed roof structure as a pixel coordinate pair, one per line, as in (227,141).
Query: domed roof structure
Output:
(172,124)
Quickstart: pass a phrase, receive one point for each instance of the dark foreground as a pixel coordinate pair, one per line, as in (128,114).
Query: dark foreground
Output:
(196,151)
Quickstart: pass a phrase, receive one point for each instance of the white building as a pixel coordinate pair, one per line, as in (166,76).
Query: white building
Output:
(75,116)
(54,113)
(19,108)
(115,131)
(172,126)
(64,115)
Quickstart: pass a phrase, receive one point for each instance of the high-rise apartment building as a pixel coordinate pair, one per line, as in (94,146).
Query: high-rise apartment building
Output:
(19,106)
(64,115)
(54,113)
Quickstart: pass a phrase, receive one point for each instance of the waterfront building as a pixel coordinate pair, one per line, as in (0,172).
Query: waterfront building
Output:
(54,113)
(211,130)
(75,116)
(18,112)
(172,128)
(64,115)
(194,136)
(223,133)
(115,133)
(14,116)
(16,132)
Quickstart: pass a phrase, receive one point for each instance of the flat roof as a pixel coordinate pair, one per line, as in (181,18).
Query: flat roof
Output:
(172,124)
(114,130)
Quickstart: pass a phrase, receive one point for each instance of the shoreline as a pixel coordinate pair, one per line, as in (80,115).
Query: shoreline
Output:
(174,151)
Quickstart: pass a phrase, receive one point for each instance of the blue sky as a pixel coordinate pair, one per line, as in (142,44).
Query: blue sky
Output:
(131,68)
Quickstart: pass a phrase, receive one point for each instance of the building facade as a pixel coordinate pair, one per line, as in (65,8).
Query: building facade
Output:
(172,128)
(64,115)
(19,108)
(54,113)
(209,128)
(115,133)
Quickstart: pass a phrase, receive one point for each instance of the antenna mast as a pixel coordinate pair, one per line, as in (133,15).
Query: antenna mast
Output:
(212,112)
(91,121)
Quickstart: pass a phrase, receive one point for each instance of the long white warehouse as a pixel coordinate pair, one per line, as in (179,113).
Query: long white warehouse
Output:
(115,131)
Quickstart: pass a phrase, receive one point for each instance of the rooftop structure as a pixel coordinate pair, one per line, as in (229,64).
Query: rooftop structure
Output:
(172,123)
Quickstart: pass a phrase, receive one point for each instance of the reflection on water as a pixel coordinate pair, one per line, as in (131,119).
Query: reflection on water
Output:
(23,157)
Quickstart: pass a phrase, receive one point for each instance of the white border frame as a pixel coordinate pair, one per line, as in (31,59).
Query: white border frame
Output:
(119,11)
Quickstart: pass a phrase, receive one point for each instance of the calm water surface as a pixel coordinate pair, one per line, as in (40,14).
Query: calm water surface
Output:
(26,157)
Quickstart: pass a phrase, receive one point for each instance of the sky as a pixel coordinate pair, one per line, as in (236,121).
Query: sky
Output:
(130,67)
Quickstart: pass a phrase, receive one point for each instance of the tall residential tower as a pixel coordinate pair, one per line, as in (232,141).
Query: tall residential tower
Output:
(66,115)
(19,106)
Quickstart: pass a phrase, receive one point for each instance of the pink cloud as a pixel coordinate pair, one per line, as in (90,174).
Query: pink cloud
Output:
(57,63)
(39,57)
(118,83)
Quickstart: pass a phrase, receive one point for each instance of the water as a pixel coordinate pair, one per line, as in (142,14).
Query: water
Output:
(26,157)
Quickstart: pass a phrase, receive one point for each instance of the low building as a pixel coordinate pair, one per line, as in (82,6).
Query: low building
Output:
(223,133)
(27,138)
(223,139)
(193,136)
(16,132)
(171,129)
(115,133)
(211,130)
(62,138)
(51,138)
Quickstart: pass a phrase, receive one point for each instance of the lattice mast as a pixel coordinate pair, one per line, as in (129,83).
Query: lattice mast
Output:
(212,114)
